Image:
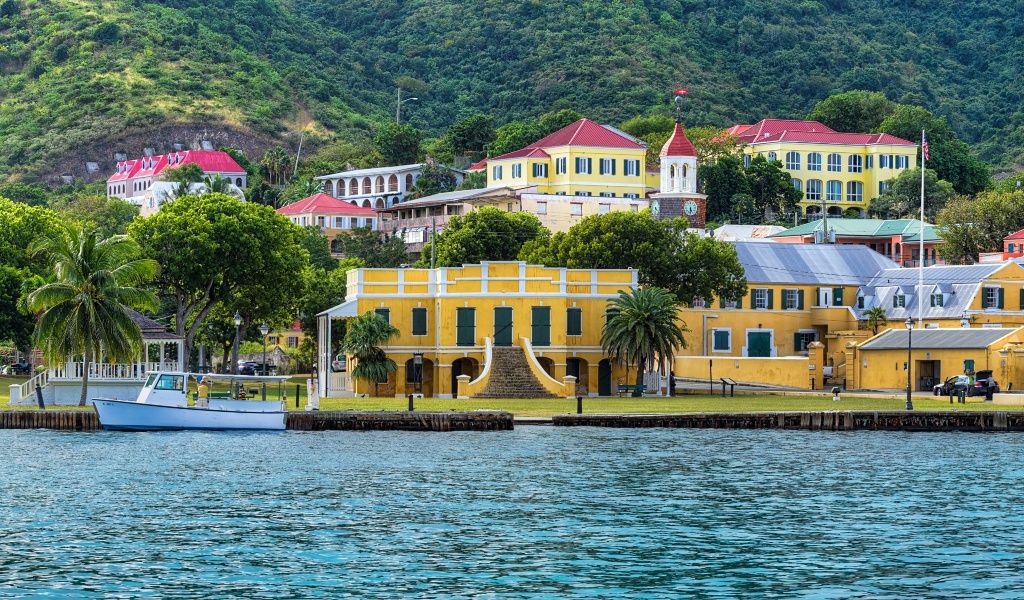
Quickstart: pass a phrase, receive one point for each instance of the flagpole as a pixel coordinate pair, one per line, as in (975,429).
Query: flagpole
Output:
(920,252)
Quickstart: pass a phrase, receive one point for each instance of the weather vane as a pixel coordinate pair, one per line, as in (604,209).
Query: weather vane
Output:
(680,92)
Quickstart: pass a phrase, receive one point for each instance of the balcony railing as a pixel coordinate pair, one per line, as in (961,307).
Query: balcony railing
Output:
(109,372)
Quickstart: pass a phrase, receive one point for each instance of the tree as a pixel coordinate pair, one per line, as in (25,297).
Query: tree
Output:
(365,334)
(771,188)
(85,310)
(398,143)
(663,253)
(856,111)
(324,289)
(375,249)
(434,178)
(106,216)
(215,248)
(902,199)
(644,329)
(473,181)
(875,318)
(318,247)
(186,173)
(723,179)
(275,163)
(487,233)
(970,226)
(471,135)
(20,271)
(642,125)
(26,193)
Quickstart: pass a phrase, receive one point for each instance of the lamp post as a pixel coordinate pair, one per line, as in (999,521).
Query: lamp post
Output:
(264,330)
(910,345)
(417,365)
(398,106)
(234,349)
(704,342)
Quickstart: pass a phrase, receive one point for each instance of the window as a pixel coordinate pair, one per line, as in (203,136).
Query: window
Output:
(771,156)
(384,313)
(813,189)
(899,301)
(542,208)
(902,162)
(583,166)
(792,161)
(419,321)
(792,299)
(746,160)
(855,163)
(540,324)
(835,163)
(607,195)
(631,195)
(293,341)
(834,191)
(721,340)
(854,191)
(631,168)
(882,186)
(560,165)
(885,161)
(634,207)
(540,169)
(465,326)
(860,301)
(936,300)
(607,166)
(762,298)
(603,209)
(574,321)
(993,297)
(496,172)
(576,209)
(698,303)
(814,161)
(272,339)
(582,193)
(170,382)
(517,170)
(802,338)
(870,163)
(797,184)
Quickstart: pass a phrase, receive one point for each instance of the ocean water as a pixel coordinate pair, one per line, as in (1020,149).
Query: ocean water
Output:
(535,513)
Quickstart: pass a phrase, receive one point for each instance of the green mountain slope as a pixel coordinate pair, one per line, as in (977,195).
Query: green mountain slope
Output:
(81,73)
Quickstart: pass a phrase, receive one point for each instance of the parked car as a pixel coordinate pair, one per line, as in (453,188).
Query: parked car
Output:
(247,367)
(19,368)
(947,387)
(339,364)
(981,386)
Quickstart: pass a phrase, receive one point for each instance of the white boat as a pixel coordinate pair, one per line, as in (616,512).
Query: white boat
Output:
(163,404)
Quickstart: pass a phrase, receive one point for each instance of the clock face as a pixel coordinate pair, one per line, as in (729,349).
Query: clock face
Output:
(690,208)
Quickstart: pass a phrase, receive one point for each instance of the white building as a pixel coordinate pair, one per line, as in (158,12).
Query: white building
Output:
(377,188)
(139,180)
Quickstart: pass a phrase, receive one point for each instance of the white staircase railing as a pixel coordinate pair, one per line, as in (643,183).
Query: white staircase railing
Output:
(29,387)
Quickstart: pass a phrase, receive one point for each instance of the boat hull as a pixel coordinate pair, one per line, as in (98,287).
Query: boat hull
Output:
(135,416)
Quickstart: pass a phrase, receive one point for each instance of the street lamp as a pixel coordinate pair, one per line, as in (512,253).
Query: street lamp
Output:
(910,345)
(234,350)
(398,106)
(704,342)
(264,330)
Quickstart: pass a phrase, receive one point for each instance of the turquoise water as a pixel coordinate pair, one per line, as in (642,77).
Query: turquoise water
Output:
(538,512)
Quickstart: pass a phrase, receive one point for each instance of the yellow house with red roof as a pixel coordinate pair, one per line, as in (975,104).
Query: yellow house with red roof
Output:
(333,216)
(835,170)
(581,159)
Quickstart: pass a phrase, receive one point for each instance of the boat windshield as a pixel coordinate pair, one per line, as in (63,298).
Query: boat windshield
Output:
(150,381)
(171,382)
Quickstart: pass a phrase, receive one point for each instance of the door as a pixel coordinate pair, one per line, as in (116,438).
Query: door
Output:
(503,326)
(824,296)
(604,378)
(759,344)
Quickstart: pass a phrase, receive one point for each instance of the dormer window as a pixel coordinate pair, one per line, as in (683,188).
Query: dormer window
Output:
(899,301)
(936,299)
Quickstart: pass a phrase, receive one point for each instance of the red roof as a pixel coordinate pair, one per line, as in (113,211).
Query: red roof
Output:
(479,165)
(1016,235)
(581,133)
(808,132)
(210,161)
(323,204)
(678,144)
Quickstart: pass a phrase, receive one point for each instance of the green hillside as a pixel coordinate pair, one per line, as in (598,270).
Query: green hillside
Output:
(88,73)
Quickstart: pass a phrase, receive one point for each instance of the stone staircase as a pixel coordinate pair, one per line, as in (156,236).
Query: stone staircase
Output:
(511,376)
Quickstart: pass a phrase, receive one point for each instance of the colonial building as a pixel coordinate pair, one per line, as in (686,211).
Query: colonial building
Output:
(896,239)
(508,328)
(139,180)
(377,188)
(839,171)
(334,217)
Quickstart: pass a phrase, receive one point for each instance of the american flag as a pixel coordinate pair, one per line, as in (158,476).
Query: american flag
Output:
(924,145)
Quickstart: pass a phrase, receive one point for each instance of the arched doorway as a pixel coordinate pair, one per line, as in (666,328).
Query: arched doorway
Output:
(463,366)
(835,211)
(408,182)
(547,364)
(426,378)
(578,368)
(379,204)
(604,378)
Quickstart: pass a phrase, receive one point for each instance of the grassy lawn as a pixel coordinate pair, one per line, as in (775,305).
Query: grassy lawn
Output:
(752,403)
(5,388)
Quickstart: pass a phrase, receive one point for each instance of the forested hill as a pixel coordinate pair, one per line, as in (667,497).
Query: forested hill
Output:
(76,74)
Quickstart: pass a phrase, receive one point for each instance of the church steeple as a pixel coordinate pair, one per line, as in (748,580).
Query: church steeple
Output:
(678,196)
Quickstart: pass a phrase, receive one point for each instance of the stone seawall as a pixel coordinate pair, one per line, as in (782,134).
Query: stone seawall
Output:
(482,420)
(62,420)
(824,420)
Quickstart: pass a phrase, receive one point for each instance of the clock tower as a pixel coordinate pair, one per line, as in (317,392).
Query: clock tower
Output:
(678,196)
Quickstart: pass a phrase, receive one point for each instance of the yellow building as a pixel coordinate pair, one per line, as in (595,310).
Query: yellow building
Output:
(837,170)
(493,322)
(581,159)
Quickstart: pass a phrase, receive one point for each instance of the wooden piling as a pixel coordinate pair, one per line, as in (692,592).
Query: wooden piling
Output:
(481,420)
(60,420)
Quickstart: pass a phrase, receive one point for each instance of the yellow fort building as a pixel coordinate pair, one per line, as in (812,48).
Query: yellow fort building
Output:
(508,328)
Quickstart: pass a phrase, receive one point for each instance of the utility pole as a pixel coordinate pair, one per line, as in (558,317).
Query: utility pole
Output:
(298,154)
(433,239)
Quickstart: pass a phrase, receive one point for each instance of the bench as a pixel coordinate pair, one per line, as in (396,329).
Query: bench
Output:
(632,389)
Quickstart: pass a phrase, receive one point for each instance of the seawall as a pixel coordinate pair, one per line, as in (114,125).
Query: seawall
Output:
(810,420)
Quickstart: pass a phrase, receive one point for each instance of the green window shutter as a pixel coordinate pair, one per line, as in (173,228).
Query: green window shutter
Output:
(600,167)
(796,341)
(590,165)
(384,314)
(613,166)
(817,296)
(541,325)
(419,321)
(721,340)
(837,296)
(1022,298)
(574,321)
(931,301)
(739,301)
(771,298)
(1000,298)
(895,301)
(465,326)
(800,299)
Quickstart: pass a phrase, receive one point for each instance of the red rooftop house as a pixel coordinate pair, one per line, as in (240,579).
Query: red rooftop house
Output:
(334,217)
(139,180)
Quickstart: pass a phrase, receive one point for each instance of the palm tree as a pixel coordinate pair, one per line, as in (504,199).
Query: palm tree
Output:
(217,184)
(875,318)
(643,328)
(85,310)
(363,337)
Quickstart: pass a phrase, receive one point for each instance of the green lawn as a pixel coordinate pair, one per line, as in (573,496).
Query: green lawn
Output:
(5,388)
(752,403)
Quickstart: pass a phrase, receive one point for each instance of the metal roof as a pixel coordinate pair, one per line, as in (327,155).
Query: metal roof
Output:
(810,264)
(896,339)
(907,228)
(450,197)
(936,274)
(956,300)
(377,171)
